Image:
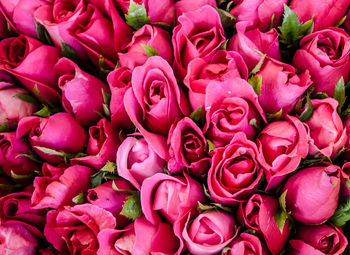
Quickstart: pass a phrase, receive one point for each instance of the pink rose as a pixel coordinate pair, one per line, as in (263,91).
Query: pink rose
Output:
(346,124)
(322,185)
(231,106)
(345,180)
(347,23)
(325,54)
(154,102)
(59,185)
(251,43)
(247,244)
(258,214)
(148,35)
(73,230)
(282,144)
(234,172)
(59,132)
(169,196)
(184,6)
(222,66)
(281,87)
(188,148)
(327,133)
(136,161)
(199,34)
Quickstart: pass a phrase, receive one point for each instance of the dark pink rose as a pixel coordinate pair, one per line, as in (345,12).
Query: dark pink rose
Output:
(148,35)
(318,240)
(199,34)
(102,145)
(322,185)
(169,196)
(327,133)
(136,161)
(325,54)
(222,66)
(345,180)
(258,214)
(282,144)
(184,6)
(188,148)
(324,14)
(59,132)
(281,87)
(59,185)
(154,102)
(73,230)
(4,32)
(247,244)
(234,172)
(19,54)
(231,106)
(346,124)
(347,23)
(250,44)
(15,208)
(258,13)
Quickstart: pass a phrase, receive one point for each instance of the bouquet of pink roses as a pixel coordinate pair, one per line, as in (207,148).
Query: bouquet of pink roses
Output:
(174,127)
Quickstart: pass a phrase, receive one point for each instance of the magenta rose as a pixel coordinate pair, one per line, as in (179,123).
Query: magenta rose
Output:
(258,13)
(247,244)
(59,185)
(234,172)
(231,106)
(322,185)
(154,102)
(345,180)
(327,133)
(73,230)
(281,87)
(346,123)
(170,197)
(222,66)
(19,54)
(199,34)
(148,35)
(282,144)
(136,161)
(325,54)
(188,148)
(258,214)
(184,6)
(251,43)
(52,136)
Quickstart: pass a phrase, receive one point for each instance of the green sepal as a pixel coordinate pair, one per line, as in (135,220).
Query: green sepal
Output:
(339,93)
(149,50)
(255,82)
(132,207)
(137,15)
(79,199)
(197,114)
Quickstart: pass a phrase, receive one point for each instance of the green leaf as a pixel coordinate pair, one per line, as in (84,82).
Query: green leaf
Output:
(341,22)
(132,207)
(342,214)
(18,176)
(258,65)
(38,95)
(306,28)
(227,19)
(309,109)
(106,111)
(290,25)
(69,52)
(106,97)
(26,98)
(137,15)
(150,51)
(274,116)
(4,127)
(197,114)
(97,178)
(282,200)
(79,199)
(255,82)
(109,167)
(280,218)
(339,93)
(43,112)
(211,145)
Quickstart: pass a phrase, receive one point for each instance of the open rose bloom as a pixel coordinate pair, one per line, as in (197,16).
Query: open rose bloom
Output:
(174,127)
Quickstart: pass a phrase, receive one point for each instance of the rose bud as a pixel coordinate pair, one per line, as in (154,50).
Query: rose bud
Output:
(318,240)
(199,34)
(324,14)
(59,185)
(251,43)
(119,81)
(346,123)
(345,180)
(148,35)
(327,133)
(169,196)
(102,145)
(282,144)
(231,107)
(74,229)
(258,13)
(154,102)
(234,172)
(322,185)
(106,197)
(188,148)
(247,244)
(19,54)
(281,88)
(13,159)
(82,94)
(59,132)
(259,214)
(222,66)
(184,6)
(325,54)
(136,161)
